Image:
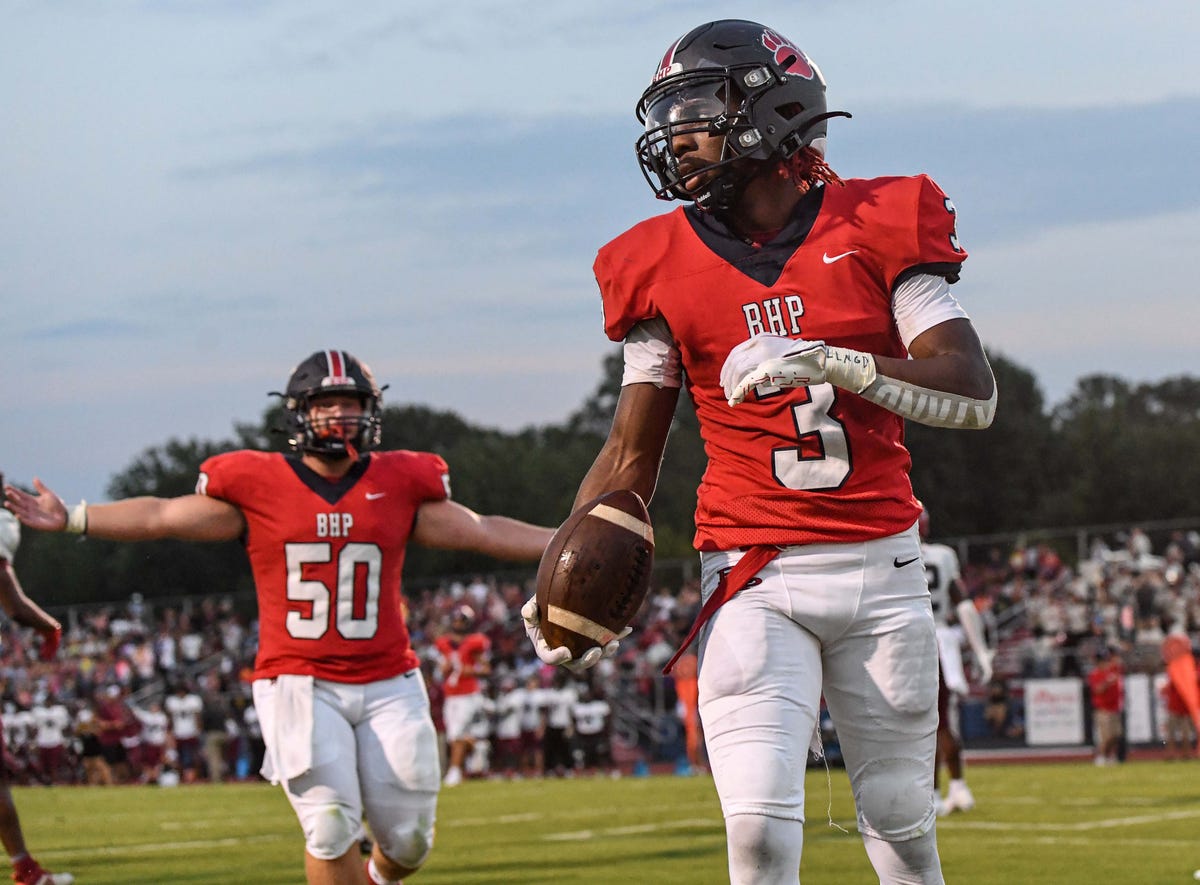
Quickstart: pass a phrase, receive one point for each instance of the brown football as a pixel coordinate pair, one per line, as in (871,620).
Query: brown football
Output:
(595,572)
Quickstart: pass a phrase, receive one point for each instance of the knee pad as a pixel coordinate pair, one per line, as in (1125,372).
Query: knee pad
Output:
(407,845)
(763,850)
(331,832)
(895,799)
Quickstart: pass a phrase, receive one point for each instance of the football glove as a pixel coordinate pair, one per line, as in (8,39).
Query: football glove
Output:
(772,361)
(561,656)
(775,361)
(51,639)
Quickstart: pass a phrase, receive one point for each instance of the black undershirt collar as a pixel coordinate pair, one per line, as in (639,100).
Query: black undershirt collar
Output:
(763,262)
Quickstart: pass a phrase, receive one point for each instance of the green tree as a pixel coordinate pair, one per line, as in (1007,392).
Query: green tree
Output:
(981,482)
(1128,452)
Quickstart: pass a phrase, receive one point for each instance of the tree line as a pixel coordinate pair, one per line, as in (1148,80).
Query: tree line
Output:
(1113,451)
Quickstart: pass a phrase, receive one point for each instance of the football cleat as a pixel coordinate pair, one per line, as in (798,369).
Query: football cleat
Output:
(47,879)
(959,797)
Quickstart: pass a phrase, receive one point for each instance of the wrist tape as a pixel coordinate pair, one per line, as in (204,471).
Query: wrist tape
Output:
(77,519)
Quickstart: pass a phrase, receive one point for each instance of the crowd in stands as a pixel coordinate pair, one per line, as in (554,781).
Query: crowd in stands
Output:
(161,693)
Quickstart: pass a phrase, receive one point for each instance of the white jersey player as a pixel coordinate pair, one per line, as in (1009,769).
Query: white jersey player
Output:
(947,597)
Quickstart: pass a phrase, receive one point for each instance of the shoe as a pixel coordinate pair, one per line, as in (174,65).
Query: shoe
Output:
(959,797)
(47,879)
(453,777)
(367,870)
(940,807)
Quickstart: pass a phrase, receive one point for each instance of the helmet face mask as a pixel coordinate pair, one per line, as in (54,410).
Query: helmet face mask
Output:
(733,79)
(329,373)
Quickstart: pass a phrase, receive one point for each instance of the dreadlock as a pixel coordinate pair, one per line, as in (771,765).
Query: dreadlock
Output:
(806,167)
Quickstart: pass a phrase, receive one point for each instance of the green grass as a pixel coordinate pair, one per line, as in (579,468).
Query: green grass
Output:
(1137,824)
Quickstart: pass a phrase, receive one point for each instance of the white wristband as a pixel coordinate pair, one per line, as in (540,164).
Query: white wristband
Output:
(77,519)
(849,369)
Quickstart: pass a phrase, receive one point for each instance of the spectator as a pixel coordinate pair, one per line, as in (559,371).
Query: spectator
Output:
(213,714)
(1000,712)
(185,707)
(51,721)
(1106,683)
(96,771)
(155,725)
(533,702)
(115,722)
(591,716)
(559,700)
(509,703)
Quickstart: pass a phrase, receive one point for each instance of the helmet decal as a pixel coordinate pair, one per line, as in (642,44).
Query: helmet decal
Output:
(787,56)
(668,65)
(337,377)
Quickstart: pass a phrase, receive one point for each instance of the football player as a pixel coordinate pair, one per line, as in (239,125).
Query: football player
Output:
(810,316)
(23,610)
(342,705)
(955,615)
(463,657)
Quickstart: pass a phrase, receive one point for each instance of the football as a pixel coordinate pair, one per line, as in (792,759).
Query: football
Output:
(595,572)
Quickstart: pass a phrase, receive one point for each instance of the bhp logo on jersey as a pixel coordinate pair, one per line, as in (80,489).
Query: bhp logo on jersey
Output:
(334,525)
(787,56)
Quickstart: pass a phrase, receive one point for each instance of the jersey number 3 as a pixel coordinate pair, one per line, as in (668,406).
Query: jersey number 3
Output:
(357,591)
(821,461)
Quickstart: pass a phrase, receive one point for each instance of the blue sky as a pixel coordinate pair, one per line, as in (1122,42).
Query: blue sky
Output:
(197,195)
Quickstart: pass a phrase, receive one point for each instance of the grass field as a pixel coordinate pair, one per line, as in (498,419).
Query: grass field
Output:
(1137,824)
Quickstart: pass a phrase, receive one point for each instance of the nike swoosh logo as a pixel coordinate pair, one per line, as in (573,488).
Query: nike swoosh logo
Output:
(901,563)
(371,496)
(829,260)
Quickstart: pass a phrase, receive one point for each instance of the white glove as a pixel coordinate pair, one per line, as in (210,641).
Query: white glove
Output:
(774,361)
(561,656)
(985,666)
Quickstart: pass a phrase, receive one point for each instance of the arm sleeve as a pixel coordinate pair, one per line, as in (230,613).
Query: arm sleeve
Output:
(651,355)
(921,302)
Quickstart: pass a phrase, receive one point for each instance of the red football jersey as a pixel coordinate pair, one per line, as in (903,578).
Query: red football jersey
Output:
(806,465)
(458,662)
(327,557)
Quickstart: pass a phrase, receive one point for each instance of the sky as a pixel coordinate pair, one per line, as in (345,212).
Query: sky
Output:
(197,195)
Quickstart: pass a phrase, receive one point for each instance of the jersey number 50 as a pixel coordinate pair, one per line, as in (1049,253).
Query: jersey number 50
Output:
(358,569)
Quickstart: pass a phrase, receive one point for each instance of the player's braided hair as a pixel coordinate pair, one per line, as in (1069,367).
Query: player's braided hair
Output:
(806,167)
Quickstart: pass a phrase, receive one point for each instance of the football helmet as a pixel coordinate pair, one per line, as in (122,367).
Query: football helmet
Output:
(462,618)
(333,372)
(736,79)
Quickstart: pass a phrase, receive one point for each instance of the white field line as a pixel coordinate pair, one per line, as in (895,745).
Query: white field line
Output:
(634,830)
(947,825)
(1076,827)
(136,848)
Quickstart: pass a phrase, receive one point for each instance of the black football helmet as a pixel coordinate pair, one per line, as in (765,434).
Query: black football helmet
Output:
(738,79)
(333,372)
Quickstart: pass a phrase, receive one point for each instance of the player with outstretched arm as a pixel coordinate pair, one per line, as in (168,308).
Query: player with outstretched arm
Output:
(344,710)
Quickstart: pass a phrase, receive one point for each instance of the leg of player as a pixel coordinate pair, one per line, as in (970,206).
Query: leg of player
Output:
(397,751)
(26,870)
(759,692)
(949,750)
(881,689)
